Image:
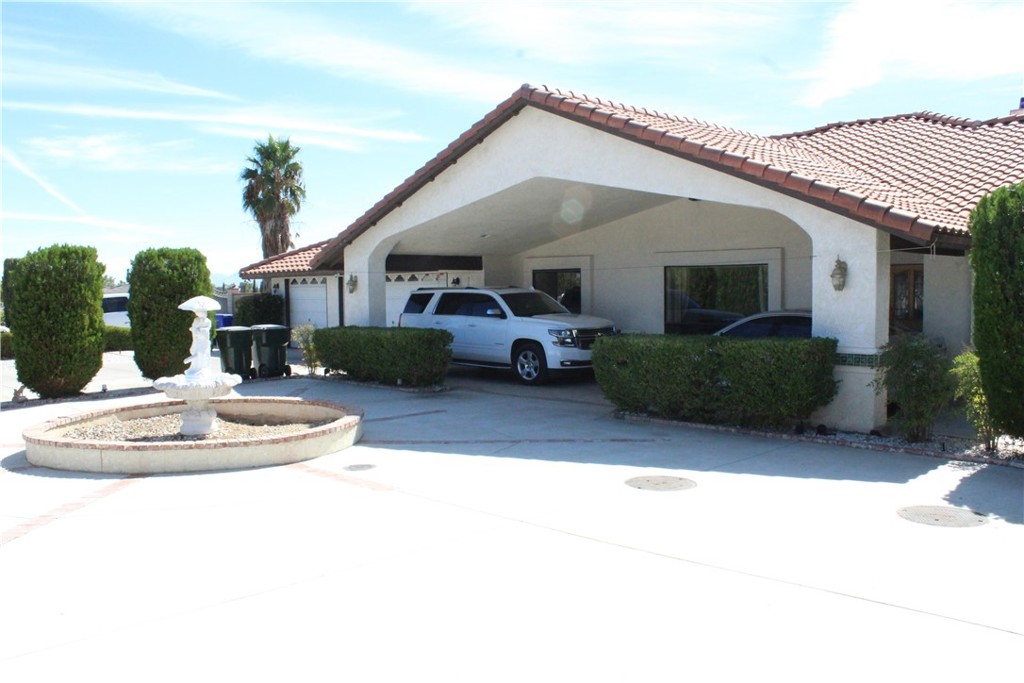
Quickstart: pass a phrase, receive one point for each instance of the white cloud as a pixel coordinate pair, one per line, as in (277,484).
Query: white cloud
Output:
(871,41)
(126,227)
(605,32)
(67,76)
(122,152)
(302,36)
(237,122)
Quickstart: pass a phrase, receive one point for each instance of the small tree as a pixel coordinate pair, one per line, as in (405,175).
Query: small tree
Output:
(303,336)
(159,281)
(970,391)
(58,329)
(997,258)
(916,376)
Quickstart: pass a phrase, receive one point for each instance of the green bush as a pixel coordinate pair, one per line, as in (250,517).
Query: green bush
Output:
(58,327)
(160,280)
(117,339)
(997,259)
(750,382)
(916,377)
(6,346)
(6,293)
(259,309)
(390,355)
(969,389)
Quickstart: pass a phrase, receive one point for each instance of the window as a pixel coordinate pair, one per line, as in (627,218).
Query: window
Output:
(906,305)
(467,304)
(704,299)
(417,302)
(563,285)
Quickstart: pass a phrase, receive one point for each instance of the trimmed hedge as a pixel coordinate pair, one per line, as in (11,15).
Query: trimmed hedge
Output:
(160,280)
(259,309)
(717,380)
(6,291)
(58,326)
(117,339)
(6,346)
(389,355)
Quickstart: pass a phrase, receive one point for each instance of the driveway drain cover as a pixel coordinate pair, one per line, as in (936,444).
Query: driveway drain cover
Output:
(938,515)
(358,468)
(661,483)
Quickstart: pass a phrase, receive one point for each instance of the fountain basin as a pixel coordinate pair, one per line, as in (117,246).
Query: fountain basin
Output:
(47,446)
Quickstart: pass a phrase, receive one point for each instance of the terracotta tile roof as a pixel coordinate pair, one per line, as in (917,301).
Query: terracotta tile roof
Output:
(295,262)
(917,175)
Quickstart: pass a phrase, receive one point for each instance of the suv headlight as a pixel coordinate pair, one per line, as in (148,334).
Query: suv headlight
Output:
(564,337)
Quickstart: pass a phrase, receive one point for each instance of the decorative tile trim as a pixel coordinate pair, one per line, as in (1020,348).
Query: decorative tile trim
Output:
(858,360)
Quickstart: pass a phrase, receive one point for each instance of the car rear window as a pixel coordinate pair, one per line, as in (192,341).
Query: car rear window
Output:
(115,304)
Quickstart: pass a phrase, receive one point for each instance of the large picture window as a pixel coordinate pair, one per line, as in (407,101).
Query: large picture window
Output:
(704,299)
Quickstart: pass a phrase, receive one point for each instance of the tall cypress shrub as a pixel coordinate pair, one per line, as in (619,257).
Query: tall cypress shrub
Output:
(159,280)
(997,258)
(58,329)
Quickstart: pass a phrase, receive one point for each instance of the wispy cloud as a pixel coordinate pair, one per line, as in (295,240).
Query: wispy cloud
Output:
(868,42)
(123,152)
(129,228)
(47,187)
(603,32)
(67,76)
(304,36)
(241,122)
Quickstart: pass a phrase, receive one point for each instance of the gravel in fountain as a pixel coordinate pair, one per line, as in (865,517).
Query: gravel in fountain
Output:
(166,428)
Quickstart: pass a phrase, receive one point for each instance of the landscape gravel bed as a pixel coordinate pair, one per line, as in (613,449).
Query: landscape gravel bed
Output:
(166,428)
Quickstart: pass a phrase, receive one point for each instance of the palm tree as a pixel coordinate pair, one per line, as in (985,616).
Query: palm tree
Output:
(273,192)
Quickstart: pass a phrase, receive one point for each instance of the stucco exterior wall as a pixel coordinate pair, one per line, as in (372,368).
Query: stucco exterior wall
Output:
(948,287)
(734,221)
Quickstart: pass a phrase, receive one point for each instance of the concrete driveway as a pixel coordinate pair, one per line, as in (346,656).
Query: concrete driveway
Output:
(488,533)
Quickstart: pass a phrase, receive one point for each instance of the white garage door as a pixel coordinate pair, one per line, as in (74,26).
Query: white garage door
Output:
(308,302)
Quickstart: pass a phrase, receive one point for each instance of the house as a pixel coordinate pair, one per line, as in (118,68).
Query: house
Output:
(636,210)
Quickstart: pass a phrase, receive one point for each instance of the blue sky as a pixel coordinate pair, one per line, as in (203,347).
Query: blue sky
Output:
(126,125)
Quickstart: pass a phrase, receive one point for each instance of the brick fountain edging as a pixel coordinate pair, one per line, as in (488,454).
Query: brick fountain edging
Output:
(46,446)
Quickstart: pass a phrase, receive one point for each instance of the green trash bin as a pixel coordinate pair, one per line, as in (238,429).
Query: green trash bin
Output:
(270,350)
(235,344)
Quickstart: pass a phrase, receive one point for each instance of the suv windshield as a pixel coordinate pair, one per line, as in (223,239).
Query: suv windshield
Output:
(529,304)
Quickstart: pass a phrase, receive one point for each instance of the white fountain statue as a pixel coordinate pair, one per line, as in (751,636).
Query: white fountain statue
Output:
(200,383)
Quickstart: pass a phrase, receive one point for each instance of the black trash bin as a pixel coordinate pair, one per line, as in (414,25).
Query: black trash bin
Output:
(235,344)
(270,350)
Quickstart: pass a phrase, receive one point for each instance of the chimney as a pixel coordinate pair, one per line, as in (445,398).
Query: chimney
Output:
(1019,110)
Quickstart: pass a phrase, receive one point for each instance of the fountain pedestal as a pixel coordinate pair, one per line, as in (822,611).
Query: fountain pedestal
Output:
(200,383)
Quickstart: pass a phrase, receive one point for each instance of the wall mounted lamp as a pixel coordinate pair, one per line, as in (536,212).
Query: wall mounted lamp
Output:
(276,288)
(839,275)
(352,283)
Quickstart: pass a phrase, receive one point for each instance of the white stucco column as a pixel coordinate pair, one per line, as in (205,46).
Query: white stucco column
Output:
(858,316)
(365,261)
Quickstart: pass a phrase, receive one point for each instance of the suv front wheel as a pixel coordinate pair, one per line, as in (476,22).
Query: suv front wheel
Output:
(529,364)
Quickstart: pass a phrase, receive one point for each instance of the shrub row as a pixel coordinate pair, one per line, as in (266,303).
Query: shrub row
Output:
(259,309)
(390,355)
(749,382)
(6,346)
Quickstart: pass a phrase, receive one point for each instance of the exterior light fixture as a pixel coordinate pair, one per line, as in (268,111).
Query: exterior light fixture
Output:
(839,275)
(352,283)
(276,287)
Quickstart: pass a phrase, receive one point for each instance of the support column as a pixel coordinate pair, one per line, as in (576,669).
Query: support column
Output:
(364,296)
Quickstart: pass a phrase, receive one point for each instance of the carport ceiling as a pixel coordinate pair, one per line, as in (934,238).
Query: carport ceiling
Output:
(525,216)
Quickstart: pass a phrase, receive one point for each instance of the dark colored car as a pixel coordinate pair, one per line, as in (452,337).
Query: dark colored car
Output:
(770,324)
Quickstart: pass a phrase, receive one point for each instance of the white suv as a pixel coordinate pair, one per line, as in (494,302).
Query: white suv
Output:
(523,329)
